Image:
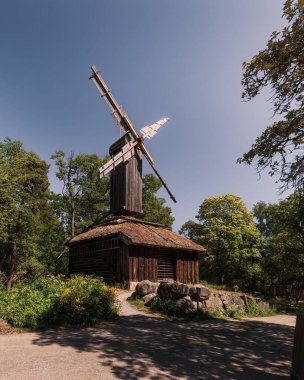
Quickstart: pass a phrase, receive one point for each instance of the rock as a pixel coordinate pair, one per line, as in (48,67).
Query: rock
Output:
(264,305)
(232,301)
(213,303)
(145,287)
(186,305)
(132,296)
(172,290)
(200,292)
(163,290)
(149,298)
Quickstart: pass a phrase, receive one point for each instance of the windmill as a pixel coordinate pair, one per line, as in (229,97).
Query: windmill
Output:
(126,154)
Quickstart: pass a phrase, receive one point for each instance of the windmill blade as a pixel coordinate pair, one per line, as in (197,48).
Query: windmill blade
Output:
(124,155)
(164,183)
(125,123)
(151,130)
(151,162)
(117,111)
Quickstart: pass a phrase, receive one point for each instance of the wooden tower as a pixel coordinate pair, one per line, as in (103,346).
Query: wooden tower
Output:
(126,181)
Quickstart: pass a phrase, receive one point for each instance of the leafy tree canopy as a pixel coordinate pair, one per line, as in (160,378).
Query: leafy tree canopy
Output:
(280,66)
(154,209)
(30,234)
(226,229)
(282,228)
(84,195)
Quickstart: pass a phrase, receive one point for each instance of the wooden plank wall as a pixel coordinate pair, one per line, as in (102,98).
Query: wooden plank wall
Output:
(117,189)
(166,265)
(133,185)
(142,263)
(122,264)
(95,263)
(126,185)
(187,267)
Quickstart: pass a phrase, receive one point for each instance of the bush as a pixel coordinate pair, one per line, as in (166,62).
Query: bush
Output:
(50,301)
(84,301)
(167,307)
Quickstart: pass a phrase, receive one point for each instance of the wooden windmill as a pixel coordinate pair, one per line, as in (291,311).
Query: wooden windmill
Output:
(126,154)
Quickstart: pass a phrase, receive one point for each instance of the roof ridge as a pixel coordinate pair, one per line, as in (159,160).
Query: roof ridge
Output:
(128,219)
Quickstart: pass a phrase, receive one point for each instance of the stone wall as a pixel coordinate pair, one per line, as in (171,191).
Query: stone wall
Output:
(192,297)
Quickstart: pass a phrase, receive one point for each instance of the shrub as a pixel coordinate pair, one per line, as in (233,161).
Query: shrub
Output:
(167,307)
(84,301)
(53,301)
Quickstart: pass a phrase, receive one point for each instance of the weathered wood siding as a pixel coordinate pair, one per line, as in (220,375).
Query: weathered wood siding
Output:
(166,265)
(118,263)
(126,181)
(133,183)
(146,263)
(122,264)
(107,259)
(187,267)
(142,263)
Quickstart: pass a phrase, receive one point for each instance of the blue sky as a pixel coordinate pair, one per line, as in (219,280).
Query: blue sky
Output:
(161,58)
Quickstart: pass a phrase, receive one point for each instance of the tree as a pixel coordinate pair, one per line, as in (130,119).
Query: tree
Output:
(84,195)
(282,229)
(153,206)
(281,67)
(227,231)
(26,217)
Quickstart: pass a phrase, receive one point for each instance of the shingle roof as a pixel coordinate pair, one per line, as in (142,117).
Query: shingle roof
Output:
(137,232)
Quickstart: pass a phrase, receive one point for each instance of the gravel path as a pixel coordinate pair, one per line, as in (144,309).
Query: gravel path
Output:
(137,346)
(125,308)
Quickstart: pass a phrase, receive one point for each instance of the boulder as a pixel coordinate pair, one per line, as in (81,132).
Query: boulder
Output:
(132,296)
(213,303)
(145,287)
(186,304)
(199,292)
(232,301)
(149,298)
(172,290)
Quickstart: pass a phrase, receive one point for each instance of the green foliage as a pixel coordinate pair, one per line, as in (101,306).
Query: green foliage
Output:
(283,305)
(215,286)
(282,229)
(55,301)
(167,307)
(27,305)
(227,231)
(30,234)
(280,67)
(84,301)
(84,195)
(153,206)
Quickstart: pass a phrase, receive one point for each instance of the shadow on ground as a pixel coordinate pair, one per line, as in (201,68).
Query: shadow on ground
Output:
(144,347)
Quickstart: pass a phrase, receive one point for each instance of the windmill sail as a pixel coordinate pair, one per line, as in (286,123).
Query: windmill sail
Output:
(124,123)
(124,155)
(151,130)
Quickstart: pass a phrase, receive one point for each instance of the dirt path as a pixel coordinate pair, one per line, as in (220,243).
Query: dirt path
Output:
(140,347)
(125,308)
